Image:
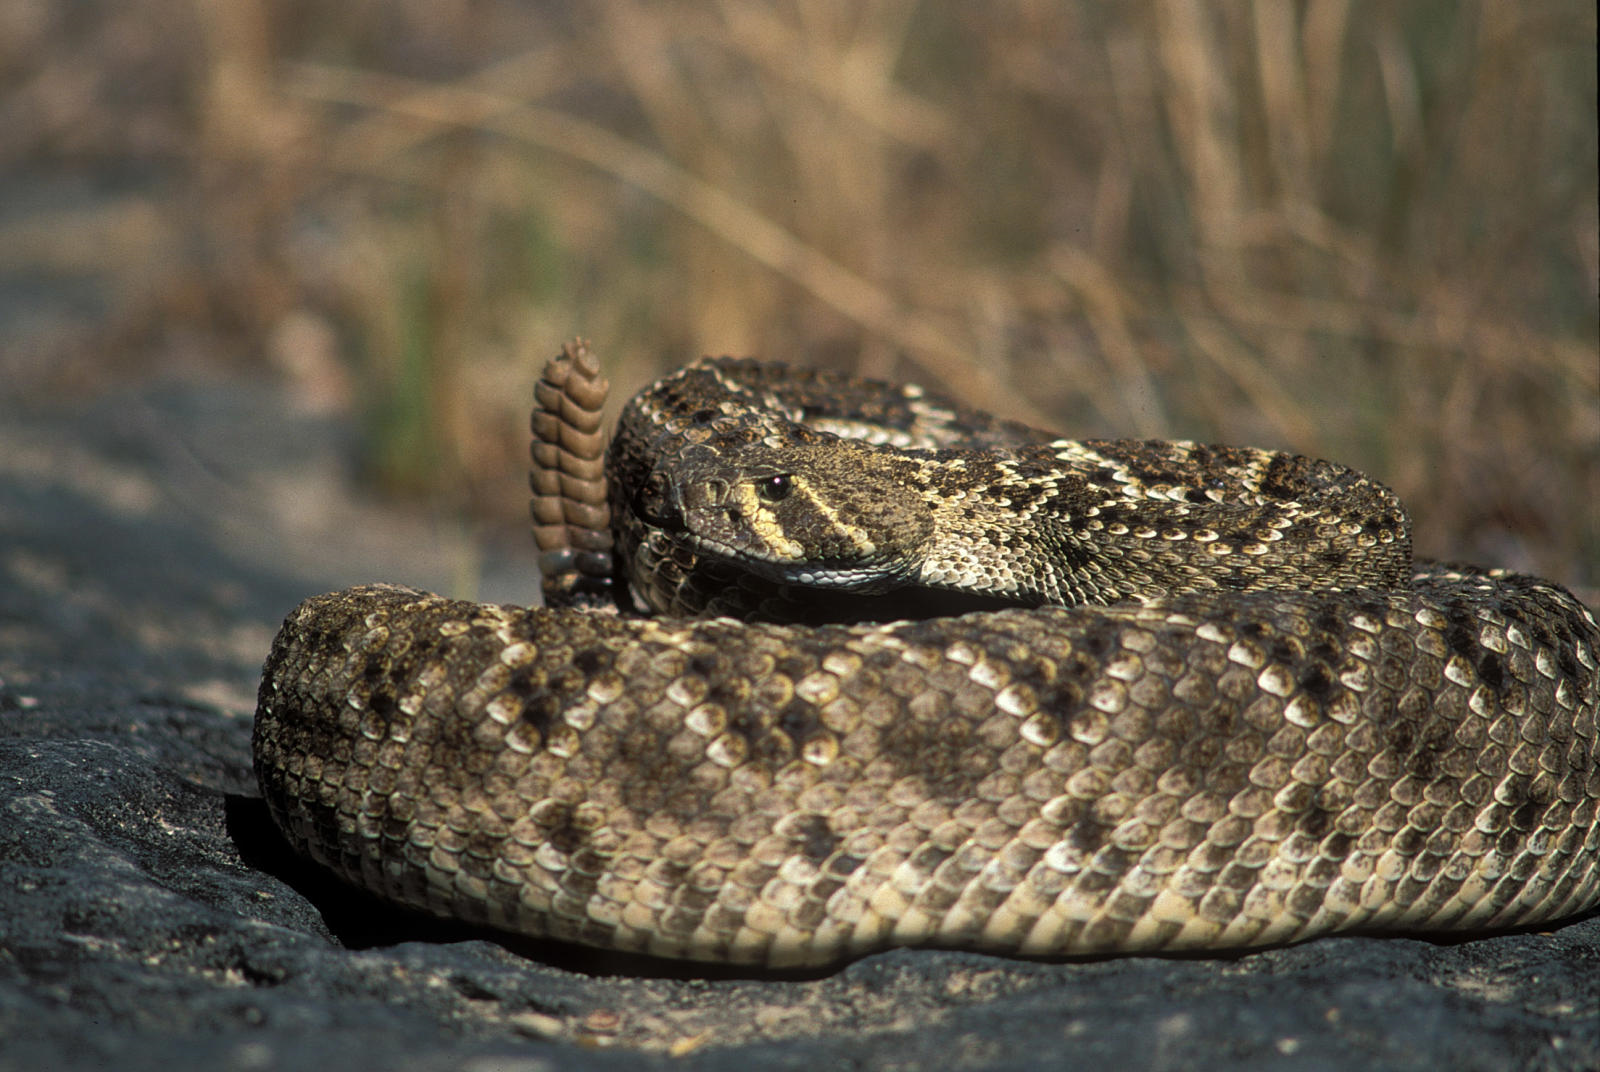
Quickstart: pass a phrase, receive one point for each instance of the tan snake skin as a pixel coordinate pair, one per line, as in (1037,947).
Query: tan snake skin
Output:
(1279,730)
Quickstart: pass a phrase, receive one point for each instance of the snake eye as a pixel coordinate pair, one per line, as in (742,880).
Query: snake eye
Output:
(774,488)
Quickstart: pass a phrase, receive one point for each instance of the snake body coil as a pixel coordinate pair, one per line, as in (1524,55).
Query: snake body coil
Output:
(1255,722)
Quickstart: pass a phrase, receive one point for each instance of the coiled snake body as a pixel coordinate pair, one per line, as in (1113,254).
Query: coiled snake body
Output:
(1198,698)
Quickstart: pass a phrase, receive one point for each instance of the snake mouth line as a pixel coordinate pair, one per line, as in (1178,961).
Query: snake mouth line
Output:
(896,599)
(824,575)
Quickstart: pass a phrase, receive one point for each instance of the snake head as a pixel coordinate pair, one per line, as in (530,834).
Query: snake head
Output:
(831,515)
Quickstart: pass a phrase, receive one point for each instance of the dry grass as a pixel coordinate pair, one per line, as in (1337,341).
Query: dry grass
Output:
(1361,230)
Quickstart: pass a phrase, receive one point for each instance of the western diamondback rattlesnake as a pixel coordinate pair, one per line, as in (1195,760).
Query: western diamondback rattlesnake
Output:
(1277,728)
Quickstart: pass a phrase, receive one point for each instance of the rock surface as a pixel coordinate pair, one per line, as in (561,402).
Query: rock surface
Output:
(150,918)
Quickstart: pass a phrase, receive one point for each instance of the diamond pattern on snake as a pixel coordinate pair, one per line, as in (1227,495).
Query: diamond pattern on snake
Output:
(830,665)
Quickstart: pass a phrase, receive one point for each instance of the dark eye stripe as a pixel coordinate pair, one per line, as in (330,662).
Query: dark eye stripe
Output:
(774,488)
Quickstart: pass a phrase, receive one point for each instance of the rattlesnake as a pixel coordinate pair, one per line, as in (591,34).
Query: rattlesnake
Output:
(1256,722)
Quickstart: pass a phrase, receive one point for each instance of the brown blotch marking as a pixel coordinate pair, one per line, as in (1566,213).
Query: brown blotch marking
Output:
(928,858)
(1509,843)
(318,639)
(679,922)
(1337,846)
(706,665)
(768,744)
(539,706)
(1372,608)
(940,755)
(799,720)
(1567,663)
(1329,625)
(695,900)
(1302,531)
(1067,704)
(652,780)
(1075,556)
(1400,736)
(382,703)
(1317,681)
(560,828)
(1148,463)
(1278,646)
(1561,639)
(324,818)
(731,693)
(1237,877)
(1525,816)
(388,677)
(1492,672)
(795,667)
(479,853)
(935,897)
(844,865)
(1086,835)
(1038,491)
(1284,478)
(1305,899)
(1061,697)
(1094,882)
(564,834)
(1315,821)
(1224,778)
(1461,632)
(1065,697)
(1284,649)
(1410,841)
(1221,719)
(745,725)
(1417,741)
(810,914)
(1374,526)
(1108,516)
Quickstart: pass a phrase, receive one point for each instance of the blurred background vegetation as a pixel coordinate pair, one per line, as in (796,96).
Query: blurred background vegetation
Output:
(1360,230)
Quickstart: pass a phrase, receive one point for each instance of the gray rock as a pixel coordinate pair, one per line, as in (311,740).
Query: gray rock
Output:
(151,918)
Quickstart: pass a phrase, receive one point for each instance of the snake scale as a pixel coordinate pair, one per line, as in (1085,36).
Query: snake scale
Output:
(833,665)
